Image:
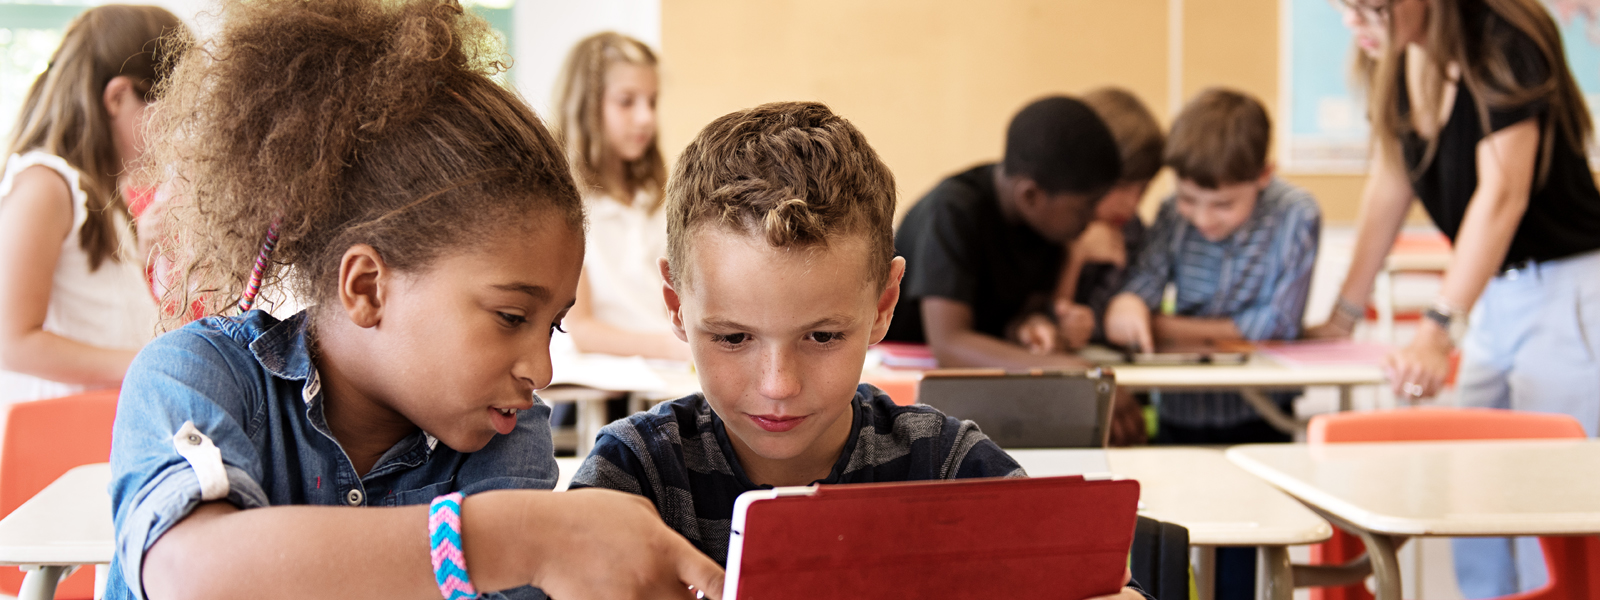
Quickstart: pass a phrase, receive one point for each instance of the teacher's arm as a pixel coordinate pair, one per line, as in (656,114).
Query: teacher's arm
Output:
(1506,161)
(1384,202)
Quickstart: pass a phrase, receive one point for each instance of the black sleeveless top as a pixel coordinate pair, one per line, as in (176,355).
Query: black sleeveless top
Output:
(1563,215)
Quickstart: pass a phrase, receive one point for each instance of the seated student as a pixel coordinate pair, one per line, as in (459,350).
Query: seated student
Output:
(1096,266)
(984,249)
(780,272)
(437,229)
(606,117)
(1238,244)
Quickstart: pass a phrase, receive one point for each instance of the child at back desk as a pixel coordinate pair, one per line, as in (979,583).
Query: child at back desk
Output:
(74,307)
(781,271)
(361,153)
(1239,246)
(606,117)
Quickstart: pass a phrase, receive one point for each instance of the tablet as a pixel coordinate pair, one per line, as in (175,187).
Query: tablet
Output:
(1028,409)
(1048,537)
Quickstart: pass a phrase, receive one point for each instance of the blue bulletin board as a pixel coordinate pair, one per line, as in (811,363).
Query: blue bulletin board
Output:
(1323,128)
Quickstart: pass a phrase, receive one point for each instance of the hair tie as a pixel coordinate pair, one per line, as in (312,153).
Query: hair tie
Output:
(254,286)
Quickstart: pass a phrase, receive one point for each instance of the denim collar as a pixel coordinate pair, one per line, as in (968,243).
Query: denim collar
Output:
(284,350)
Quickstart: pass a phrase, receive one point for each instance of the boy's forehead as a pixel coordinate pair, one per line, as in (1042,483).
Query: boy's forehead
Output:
(718,252)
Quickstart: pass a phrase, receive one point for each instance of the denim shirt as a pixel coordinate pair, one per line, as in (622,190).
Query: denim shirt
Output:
(248,386)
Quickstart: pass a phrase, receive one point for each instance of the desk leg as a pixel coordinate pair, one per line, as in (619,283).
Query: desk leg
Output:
(591,417)
(1203,559)
(1346,401)
(1274,574)
(101,573)
(1385,564)
(40,582)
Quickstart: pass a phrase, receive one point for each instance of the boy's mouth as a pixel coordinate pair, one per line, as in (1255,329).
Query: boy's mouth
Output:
(775,423)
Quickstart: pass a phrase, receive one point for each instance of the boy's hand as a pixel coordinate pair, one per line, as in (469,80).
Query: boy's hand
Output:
(1038,334)
(1128,323)
(1127,593)
(593,543)
(1326,331)
(1077,323)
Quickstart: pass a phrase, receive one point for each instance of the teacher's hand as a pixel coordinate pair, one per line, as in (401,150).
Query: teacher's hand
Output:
(1420,369)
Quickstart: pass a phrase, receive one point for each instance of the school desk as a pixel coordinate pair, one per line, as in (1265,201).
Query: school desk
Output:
(1386,492)
(66,525)
(1219,503)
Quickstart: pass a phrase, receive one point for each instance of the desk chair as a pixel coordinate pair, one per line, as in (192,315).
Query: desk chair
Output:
(1049,409)
(1159,559)
(1573,562)
(43,439)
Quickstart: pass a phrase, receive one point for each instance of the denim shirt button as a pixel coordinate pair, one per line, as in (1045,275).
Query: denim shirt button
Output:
(353,497)
(193,439)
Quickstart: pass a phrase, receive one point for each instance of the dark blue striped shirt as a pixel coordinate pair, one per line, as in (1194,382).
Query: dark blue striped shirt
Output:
(678,456)
(1260,277)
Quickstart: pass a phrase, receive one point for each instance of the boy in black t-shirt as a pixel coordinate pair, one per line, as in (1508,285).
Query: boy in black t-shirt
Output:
(984,249)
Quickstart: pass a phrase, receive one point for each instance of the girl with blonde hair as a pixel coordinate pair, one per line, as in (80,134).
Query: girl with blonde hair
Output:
(606,117)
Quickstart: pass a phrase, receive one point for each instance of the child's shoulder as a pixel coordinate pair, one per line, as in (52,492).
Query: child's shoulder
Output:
(661,430)
(931,444)
(1286,198)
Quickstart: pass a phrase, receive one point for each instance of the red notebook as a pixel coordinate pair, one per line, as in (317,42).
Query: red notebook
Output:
(1048,537)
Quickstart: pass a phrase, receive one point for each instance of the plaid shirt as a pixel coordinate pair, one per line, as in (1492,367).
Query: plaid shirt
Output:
(1260,277)
(678,456)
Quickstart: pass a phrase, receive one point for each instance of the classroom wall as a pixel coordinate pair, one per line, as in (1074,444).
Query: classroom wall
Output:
(933,82)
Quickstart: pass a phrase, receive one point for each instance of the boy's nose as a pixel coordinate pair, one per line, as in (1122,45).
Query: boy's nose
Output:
(779,378)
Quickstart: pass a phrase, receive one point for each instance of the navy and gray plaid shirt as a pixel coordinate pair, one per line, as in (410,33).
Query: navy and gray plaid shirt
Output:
(678,455)
(1260,277)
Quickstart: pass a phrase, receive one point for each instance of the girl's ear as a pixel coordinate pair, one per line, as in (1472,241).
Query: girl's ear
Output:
(114,99)
(363,283)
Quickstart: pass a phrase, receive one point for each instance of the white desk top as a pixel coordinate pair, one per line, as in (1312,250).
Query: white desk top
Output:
(1525,487)
(1258,373)
(1198,488)
(569,467)
(67,523)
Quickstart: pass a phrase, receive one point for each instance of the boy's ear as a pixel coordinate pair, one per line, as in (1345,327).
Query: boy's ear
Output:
(1029,195)
(888,299)
(364,281)
(1267,172)
(674,303)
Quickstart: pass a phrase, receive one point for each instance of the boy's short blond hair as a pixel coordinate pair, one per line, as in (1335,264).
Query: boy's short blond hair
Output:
(1220,138)
(1136,131)
(791,172)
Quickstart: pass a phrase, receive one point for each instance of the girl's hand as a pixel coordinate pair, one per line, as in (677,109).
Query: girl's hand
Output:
(1128,323)
(594,543)
(1420,369)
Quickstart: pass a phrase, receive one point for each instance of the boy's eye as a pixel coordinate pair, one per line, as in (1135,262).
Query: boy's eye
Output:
(824,337)
(512,320)
(732,339)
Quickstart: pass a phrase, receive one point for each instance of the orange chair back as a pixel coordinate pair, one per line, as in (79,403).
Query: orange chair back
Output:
(1571,561)
(44,439)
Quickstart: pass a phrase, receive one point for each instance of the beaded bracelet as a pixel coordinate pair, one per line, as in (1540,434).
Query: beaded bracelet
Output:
(444,534)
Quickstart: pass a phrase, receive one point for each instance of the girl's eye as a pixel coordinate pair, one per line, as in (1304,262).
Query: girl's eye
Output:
(732,339)
(556,326)
(512,320)
(826,337)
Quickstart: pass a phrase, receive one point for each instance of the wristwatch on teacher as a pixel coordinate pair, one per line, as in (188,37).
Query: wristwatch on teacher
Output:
(1448,318)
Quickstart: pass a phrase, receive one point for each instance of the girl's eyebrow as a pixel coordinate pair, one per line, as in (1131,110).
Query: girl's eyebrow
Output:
(538,292)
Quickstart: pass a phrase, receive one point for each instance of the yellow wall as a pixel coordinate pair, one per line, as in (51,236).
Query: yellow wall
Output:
(932,82)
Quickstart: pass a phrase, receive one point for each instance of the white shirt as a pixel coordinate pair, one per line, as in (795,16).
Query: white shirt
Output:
(110,307)
(620,255)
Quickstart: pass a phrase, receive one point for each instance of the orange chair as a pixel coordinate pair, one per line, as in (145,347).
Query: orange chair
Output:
(1573,562)
(43,440)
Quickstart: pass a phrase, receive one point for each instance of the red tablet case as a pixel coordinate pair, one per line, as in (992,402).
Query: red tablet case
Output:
(1049,537)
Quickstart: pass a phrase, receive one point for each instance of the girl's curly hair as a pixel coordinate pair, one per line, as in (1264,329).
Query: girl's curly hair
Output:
(345,122)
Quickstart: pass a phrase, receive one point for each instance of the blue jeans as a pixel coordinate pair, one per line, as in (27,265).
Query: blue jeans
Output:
(1534,345)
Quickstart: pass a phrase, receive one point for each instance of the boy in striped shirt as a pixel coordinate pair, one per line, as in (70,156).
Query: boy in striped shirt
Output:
(1238,245)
